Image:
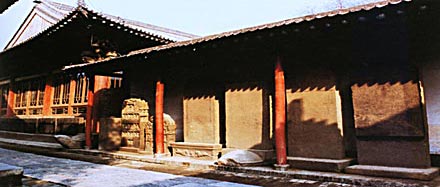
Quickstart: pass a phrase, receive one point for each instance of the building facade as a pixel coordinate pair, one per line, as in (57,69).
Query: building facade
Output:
(339,91)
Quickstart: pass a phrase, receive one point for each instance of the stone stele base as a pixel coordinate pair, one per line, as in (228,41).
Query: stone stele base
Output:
(10,175)
(202,151)
(394,172)
(319,164)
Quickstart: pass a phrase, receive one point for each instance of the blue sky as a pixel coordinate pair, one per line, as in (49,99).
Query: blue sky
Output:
(200,17)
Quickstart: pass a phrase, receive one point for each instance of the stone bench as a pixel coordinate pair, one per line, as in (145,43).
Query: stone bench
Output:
(10,175)
(202,151)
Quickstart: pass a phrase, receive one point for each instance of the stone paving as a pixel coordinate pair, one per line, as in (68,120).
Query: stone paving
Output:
(78,173)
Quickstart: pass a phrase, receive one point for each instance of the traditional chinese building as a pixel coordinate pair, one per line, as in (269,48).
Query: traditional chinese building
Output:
(354,86)
(37,97)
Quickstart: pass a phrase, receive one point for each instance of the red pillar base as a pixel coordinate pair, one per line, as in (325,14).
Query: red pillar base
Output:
(282,167)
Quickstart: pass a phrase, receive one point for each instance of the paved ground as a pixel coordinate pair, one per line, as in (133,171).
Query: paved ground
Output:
(54,172)
(78,173)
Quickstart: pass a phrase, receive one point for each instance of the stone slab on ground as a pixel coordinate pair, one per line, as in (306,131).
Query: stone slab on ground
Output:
(319,164)
(394,172)
(46,145)
(10,175)
(28,136)
(349,179)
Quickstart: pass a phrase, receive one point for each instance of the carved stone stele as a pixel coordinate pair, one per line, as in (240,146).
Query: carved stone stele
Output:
(169,132)
(137,130)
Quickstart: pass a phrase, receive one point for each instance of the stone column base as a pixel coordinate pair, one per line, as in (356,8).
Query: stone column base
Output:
(282,167)
(394,172)
(319,164)
(161,155)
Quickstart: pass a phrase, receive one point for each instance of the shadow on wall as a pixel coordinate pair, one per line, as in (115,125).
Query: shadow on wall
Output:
(311,138)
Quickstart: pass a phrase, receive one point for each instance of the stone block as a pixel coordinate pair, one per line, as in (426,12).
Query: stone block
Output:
(110,134)
(201,119)
(331,165)
(394,172)
(202,151)
(394,153)
(248,117)
(10,175)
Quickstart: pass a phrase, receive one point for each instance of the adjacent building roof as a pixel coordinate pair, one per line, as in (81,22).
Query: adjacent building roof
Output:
(5,4)
(340,11)
(47,15)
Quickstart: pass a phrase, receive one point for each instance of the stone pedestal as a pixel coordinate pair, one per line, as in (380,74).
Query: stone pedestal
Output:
(319,164)
(394,172)
(249,119)
(202,151)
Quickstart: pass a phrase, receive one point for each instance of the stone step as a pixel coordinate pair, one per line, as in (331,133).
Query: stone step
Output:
(319,164)
(394,172)
(25,143)
(10,175)
(28,136)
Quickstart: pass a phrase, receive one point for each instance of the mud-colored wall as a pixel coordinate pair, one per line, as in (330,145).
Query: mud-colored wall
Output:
(247,117)
(314,116)
(201,119)
(173,105)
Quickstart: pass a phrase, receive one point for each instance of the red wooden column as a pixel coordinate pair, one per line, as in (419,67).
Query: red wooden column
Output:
(159,118)
(11,100)
(280,116)
(101,83)
(47,98)
(89,112)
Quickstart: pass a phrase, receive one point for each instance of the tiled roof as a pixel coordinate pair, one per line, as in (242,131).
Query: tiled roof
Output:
(64,14)
(166,33)
(5,4)
(341,11)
